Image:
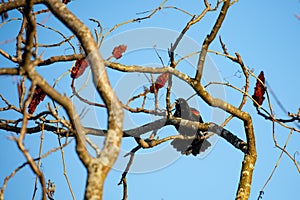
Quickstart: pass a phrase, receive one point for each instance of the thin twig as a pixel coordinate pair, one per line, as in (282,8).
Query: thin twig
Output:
(39,161)
(237,59)
(57,31)
(65,168)
(133,20)
(278,161)
(123,178)
(56,44)
(94,146)
(167,7)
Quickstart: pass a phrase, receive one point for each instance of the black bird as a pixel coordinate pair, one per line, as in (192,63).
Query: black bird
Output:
(188,146)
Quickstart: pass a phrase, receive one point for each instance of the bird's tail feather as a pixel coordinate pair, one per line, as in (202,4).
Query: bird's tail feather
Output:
(190,146)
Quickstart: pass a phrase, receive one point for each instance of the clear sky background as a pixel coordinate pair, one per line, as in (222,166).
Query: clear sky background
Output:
(264,33)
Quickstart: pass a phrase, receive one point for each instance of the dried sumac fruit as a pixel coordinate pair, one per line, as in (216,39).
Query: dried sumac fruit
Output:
(160,82)
(38,96)
(259,90)
(118,51)
(79,68)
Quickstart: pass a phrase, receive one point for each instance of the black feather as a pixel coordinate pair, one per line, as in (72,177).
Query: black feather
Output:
(188,146)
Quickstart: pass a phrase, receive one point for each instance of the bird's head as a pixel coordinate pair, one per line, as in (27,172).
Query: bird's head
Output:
(182,108)
(180,101)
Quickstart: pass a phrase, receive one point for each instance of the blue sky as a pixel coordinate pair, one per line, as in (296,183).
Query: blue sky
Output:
(264,33)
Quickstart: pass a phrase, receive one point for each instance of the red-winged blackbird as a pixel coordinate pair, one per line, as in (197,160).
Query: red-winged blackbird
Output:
(188,146)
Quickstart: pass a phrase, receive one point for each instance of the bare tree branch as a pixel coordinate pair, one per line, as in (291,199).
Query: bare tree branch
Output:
(210,38)
(97,168)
